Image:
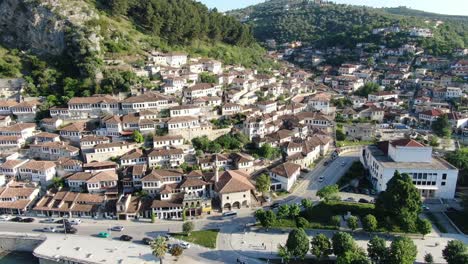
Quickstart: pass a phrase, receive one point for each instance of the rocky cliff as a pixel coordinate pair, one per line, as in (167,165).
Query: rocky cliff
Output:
(43,26)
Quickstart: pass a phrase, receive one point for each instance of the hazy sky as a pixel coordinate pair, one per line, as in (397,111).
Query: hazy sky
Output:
(451,7)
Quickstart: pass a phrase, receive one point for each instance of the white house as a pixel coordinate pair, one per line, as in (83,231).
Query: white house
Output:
(284,176)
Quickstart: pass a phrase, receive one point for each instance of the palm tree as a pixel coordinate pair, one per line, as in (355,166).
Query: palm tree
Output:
(159,248)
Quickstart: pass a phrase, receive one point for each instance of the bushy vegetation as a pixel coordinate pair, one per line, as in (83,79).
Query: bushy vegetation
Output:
(10,63)
(226,142)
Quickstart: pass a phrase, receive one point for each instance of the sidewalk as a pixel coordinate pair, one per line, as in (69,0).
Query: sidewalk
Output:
(261,244)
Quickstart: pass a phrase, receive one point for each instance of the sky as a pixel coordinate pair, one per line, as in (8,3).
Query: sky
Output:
(450,7)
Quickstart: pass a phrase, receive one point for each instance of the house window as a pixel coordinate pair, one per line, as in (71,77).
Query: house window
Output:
(443,184)
(244,195)
(444,176)
(227,197)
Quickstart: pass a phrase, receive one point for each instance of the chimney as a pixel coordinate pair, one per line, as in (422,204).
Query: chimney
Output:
(215,167)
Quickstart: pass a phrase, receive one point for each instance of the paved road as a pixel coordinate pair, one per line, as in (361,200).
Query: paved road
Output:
(332,173)
(225,252)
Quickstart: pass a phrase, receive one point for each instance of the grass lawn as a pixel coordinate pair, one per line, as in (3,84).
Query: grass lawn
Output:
(347,143)
(205,238)
(459,219)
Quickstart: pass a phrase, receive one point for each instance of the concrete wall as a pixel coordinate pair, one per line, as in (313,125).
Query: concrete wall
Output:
(19,242)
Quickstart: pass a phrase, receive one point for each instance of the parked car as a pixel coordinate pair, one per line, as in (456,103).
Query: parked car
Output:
(362,200)
(349,199)
(5,218)
(75,221)
(16,219)
(184,245)
(229,214)
(167,237)
(343,164)
(267,199)
(49,229)
(49,221)
(126,238)
(325,163)
(321,178)
(425,208)
(147,240)
(275,205)
(27,220)
(61,221)
(117,228)
(103,234)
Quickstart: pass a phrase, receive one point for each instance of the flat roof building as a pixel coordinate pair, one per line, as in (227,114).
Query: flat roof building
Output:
(434,177)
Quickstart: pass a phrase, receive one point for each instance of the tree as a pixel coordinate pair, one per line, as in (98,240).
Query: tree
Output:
(263,183)
(434,142)
(442,127)
(188,227)
(176,250)
(428,258)
(119,7)
(459,158)
(207,78)
(57,182)
(335,220)
(401,201)
(321,246)
(159,248)
(301,222)
(402,251)
(284,253)
(266,218)
(357,256)
(297,243)
(369,223)
(424,226)
(328,193)
(342,242)
(352,222)
(268,152)
(377,250)
(340,135)
(367,89)
(307,203)
(294,210)
(454,251)
(137,136)
(283,211)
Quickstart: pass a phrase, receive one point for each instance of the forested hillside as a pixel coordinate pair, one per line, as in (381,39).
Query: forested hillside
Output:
(331,24)
(181,21)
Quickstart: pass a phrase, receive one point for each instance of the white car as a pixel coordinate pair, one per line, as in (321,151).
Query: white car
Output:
(75,221)
(321,178)
(343,163)
(117,228)
(49,229)
(5,218)
(184,245)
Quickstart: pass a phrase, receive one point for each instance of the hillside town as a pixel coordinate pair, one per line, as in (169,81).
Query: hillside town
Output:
(203,141)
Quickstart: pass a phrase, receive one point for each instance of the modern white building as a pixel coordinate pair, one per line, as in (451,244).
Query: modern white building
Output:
(433,176)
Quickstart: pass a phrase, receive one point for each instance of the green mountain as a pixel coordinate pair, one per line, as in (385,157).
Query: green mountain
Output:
(331,24)
(63,47)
